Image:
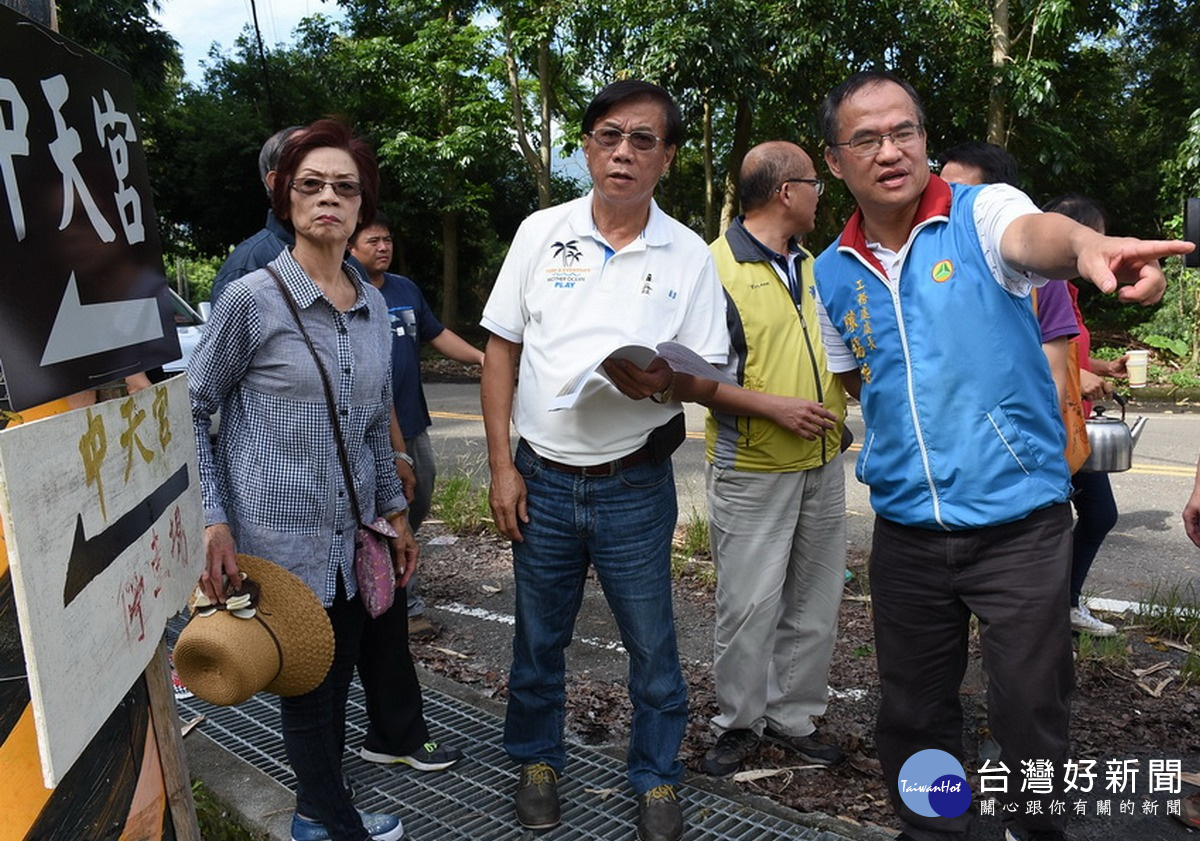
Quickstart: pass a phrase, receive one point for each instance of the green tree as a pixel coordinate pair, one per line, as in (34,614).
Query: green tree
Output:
(204,165)
(125,33)
(468,105)
(443,131)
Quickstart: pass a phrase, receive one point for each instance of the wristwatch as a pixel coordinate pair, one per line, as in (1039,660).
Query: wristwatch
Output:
(664,396)
(404,457)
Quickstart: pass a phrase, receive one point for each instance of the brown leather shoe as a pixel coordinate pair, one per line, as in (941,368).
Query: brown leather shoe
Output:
(420,629)
(660,817)
(537,797)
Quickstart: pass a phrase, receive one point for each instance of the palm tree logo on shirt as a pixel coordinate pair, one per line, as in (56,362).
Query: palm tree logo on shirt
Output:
(569,252)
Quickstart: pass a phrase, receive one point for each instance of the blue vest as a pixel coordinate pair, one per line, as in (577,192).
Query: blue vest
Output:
(963,428)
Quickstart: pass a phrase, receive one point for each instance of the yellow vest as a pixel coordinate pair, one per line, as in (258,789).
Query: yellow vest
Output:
(774,349)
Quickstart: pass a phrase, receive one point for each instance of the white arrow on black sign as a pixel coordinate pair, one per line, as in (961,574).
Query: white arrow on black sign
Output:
(84,329)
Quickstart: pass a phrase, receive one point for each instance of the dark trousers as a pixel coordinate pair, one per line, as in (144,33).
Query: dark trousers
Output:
(1096,514)
(925,585)
(394,708)
(314,730)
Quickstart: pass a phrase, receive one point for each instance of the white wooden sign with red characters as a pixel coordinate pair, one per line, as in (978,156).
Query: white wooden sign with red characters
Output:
(104,525)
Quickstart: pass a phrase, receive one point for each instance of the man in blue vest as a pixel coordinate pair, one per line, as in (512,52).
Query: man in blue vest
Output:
(925,320)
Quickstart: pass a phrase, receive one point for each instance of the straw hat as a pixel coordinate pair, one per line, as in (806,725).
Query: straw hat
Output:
(286,647)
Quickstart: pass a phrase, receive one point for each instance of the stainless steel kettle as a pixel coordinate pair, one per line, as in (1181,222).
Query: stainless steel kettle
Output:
(1111,441)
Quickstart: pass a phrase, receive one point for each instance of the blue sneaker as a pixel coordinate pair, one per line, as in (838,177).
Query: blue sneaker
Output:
(381,827)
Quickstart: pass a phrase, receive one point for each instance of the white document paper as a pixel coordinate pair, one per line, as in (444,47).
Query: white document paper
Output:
(680,358)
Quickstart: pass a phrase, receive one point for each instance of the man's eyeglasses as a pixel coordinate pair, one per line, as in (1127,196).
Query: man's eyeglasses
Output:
(313,186)
(868,145)
(817,184)
(610,138)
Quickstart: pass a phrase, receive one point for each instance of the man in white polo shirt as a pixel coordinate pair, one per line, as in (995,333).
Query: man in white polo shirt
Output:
(593,484)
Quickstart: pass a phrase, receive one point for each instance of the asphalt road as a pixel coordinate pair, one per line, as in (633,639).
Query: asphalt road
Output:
(1148,551)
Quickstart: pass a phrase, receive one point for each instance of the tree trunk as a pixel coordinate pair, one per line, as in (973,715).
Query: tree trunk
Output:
(538,160)
(543,174)
(743,128)
(1001,45)
(710,187)
(450,269)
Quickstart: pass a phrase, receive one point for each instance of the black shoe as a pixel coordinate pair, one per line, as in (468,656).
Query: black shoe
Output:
(810,750)
(428,757)
(537,797)
(660,817)
(727,755)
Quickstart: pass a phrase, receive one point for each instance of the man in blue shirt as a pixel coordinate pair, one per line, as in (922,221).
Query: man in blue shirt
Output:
(413,322)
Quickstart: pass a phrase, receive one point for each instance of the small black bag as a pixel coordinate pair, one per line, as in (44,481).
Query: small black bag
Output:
(666,439)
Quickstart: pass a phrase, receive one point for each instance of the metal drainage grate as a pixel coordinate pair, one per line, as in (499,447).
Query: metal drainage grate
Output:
(473,802)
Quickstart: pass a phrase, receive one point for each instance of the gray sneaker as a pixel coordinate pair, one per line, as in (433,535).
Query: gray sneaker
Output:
(537,797)
(726,756)
(809,748)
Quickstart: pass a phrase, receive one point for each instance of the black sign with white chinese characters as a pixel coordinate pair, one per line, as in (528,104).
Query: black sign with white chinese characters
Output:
(83,295)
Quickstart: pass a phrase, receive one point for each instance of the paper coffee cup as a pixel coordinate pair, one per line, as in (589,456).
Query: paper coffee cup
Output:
(1136,365)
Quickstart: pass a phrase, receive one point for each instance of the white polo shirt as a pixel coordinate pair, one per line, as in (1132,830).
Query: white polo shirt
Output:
(568,299)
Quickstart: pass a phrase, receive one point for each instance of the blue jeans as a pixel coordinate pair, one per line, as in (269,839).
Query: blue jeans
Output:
(622,525)
(1096,514)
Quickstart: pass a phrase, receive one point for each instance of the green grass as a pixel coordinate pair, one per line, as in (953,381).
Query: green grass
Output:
(1172,611)
(690,553)
(216,824)
(462,504)
(694,540)
(1113,652)
(1189,672)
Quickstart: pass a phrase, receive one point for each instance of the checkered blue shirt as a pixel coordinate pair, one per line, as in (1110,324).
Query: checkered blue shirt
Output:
(274,476)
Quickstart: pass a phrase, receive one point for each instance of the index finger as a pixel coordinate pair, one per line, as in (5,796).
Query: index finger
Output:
(1157,249)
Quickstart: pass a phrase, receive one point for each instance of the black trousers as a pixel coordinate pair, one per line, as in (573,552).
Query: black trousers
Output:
(925,585)
(314,729)
(394,708)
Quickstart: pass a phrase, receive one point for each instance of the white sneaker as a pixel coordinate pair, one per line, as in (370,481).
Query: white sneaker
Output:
(1083,622)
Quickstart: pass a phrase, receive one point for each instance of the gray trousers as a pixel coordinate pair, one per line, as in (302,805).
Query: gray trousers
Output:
(779,545)
(925,585)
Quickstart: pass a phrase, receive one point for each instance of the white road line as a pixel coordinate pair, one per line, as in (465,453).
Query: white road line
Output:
(1135,608)
(506,619)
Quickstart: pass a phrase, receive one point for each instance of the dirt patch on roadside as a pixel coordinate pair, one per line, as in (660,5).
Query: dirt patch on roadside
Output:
(1120,711)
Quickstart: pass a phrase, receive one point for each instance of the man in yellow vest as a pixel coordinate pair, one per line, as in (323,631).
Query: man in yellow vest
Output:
(776,488)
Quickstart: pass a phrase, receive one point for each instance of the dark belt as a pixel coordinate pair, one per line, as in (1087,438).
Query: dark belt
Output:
(608,468)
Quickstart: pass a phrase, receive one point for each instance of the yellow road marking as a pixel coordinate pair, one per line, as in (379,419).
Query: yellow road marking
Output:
(1181,471)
